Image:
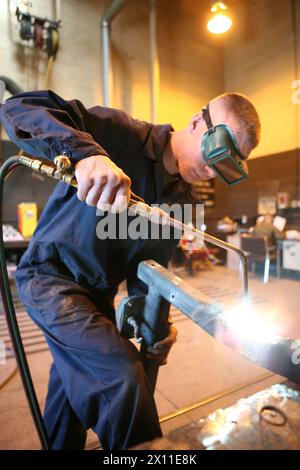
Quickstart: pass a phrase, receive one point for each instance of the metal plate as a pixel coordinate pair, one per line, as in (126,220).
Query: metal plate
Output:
(268,420)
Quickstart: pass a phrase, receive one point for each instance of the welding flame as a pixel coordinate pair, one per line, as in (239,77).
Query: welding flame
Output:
(248,324)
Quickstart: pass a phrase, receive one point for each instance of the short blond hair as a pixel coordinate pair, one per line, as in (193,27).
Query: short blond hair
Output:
(245,114)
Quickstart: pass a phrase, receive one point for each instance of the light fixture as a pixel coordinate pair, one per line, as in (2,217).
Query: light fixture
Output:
(220,22)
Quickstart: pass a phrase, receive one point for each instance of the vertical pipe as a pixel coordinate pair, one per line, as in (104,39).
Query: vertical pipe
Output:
(107,75)
(106,66)
(57,10)
(296,51)
(154,62)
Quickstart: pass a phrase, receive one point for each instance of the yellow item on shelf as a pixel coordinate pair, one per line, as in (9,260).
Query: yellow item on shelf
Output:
(27,218)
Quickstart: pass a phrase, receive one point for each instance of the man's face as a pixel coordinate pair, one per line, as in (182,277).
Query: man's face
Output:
(191,163)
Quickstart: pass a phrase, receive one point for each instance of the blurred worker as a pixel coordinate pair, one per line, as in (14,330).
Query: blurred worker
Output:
(189,244)
(68,277)
(264,227)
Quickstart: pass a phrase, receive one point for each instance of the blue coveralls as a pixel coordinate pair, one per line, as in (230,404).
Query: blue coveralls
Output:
(67,279)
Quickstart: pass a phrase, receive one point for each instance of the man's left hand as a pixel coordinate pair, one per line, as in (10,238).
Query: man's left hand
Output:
(160,350)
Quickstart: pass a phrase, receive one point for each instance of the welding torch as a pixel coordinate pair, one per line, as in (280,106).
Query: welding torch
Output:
(62,171)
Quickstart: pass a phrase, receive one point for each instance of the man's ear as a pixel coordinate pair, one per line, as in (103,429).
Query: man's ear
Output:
(196,119)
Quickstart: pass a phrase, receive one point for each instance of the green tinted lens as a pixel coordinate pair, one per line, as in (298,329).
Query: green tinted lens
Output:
(229,170)
(221,153)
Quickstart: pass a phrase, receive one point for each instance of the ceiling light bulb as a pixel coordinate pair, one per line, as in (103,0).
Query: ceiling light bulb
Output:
(220,21)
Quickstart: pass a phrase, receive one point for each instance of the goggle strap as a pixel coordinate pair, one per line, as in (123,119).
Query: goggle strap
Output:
(207,118)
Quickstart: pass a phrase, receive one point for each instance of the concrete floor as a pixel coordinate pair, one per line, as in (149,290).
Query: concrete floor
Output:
(200,371)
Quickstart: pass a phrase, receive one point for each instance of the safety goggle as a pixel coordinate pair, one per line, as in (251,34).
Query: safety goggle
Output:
(221,152)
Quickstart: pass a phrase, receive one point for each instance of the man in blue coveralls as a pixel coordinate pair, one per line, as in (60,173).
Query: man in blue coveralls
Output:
(68,277)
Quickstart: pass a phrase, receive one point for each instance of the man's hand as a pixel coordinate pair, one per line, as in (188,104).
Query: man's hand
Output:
(101,183)
(160,350)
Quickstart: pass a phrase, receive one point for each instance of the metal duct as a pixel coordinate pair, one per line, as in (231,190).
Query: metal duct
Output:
(107,76)
(154,62)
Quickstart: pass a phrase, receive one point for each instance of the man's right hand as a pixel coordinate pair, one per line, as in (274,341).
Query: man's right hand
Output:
(103,184)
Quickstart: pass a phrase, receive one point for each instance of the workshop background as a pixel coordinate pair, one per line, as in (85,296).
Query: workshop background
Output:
(260,57)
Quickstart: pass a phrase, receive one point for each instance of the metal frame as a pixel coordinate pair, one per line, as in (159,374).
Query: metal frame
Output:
(276,353)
